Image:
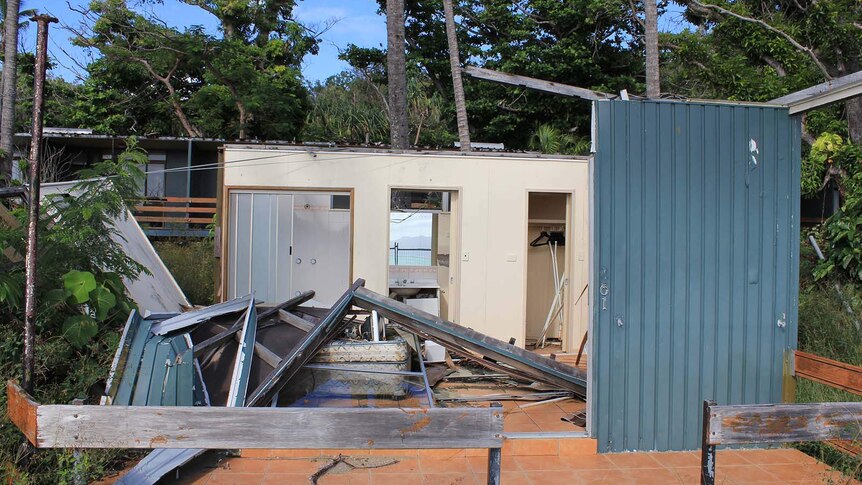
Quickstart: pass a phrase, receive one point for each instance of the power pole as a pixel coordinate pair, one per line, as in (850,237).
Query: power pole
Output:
(457,83)
(396,73)
(42,22)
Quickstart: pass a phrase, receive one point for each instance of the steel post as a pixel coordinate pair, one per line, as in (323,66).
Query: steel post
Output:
(42,22)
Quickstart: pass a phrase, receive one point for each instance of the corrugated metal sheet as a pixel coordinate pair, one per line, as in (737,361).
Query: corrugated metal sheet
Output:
(695,282)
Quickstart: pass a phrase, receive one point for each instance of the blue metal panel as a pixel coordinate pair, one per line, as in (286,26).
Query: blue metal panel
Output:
(696,244)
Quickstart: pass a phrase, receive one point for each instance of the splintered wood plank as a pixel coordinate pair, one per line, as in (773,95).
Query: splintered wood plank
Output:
(21,409)
(63,426)
(784,423)
(830,372)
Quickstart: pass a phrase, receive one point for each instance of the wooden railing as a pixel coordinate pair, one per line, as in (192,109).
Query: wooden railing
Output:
(837,423)
(167,213)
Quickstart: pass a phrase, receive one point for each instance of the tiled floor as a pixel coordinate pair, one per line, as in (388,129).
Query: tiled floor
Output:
(780,466)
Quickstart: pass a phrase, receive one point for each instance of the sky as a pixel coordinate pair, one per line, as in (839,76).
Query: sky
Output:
(357,22)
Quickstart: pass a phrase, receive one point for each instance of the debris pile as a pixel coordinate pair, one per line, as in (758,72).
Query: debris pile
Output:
(367,350)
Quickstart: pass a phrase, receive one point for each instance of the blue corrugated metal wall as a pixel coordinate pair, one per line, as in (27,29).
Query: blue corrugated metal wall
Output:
(696,245)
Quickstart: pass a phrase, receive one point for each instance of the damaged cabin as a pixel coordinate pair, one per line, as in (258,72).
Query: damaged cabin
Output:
(623,288)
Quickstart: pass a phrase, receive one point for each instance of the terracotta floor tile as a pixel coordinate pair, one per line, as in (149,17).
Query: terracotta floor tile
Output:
(243,465)
(294,466)
(530,463)
(731,457)
(572,406)
(613,476)
(441,454)
(773,456)
(672,459)
(531,448)
(395,478)
(404,465)
(449,465)
(591,462)
(343,479)
(633,460)
(796,471)
(237,479)
(512,478)
(685,475)
(448,479)
(653,476)
(553,477)
(519,423)
(479,465)
(745,474)
(256,453)
(578,446)
(557,425)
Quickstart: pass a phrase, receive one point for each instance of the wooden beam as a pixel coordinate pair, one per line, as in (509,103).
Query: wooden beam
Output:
(832,91)
(67,426)
(784,423)
(171,219)
(536,84)
(167,208)
(298,322)
(829,372)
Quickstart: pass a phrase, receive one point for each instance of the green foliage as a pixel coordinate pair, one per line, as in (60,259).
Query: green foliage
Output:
(549,139)
(81,307)
(191,261)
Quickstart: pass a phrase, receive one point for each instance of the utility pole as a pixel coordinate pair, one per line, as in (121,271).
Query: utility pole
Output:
(42,22)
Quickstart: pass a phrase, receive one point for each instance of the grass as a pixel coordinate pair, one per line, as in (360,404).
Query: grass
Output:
(826,329)
(192,262)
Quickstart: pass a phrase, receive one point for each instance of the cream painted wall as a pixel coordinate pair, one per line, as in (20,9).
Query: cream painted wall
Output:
(492,207)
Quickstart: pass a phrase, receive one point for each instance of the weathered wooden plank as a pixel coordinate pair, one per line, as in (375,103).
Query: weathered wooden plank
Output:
(194,200)
(63,426)
(168,208)
(462,339)
(784,423)
(298,322)
(536,84)
(830,372)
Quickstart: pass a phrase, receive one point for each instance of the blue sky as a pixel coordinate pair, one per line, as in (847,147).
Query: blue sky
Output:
(357,23)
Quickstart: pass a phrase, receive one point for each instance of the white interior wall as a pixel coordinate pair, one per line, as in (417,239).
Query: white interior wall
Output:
(492,210)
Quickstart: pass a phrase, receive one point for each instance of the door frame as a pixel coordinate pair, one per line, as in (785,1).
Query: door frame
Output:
(224,223)
(455,204)
(566,336)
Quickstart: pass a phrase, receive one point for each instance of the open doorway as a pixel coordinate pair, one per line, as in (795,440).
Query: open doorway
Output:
(547,270)
(422,238)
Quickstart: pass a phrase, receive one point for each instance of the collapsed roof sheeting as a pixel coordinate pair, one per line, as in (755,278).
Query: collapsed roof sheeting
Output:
(474,345)
(188,319)
(156,291)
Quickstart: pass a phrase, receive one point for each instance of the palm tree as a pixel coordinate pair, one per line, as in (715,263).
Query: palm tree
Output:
(396,72)
(11,21)
(653,81)
(457,84)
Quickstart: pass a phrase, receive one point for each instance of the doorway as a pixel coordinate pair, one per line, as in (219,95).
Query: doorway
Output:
(423,235)
(547,280)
